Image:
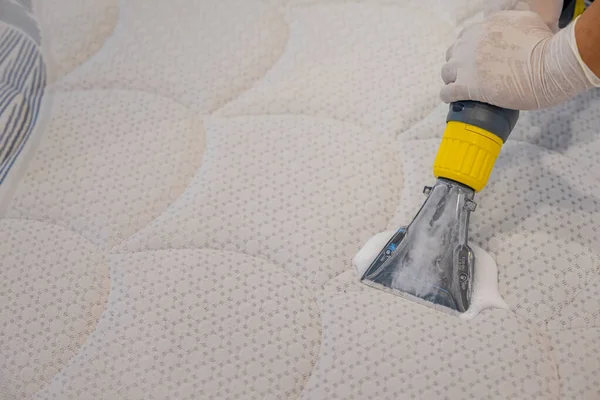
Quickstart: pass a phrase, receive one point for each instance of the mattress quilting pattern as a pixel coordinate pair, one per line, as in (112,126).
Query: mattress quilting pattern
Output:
(195,177)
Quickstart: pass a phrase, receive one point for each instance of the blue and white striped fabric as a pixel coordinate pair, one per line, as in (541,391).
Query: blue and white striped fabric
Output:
(22,82)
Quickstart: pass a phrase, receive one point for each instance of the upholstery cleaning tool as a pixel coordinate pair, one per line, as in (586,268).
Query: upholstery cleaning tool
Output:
(571,10)
(430,260)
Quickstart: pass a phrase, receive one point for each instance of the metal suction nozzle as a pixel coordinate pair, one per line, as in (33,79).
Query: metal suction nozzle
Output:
(430,258)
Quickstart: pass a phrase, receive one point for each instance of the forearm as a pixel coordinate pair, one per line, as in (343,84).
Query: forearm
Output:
(587,34)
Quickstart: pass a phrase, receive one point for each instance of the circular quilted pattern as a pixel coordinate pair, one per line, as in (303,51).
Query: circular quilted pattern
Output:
(130,155)
(51,296)
(542,274)
(453,11)
(74,31)
(570,129)
(584,311)
(538,217)
(381,91)
(122,162)
(409,351)
(549,193)
(201,53)
(301,192)
(188,324)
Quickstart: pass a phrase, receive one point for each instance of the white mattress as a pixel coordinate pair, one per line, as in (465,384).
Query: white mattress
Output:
(190,180)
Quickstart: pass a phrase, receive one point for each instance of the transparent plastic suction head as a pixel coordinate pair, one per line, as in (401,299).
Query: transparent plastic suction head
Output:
(430,259)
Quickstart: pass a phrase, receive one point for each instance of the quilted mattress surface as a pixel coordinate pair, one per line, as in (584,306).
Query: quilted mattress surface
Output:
(185,183)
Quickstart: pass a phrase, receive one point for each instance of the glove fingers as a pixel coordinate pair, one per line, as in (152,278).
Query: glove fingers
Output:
(454,92)
(449,53)
(449,72)
(467,31)
(549,10)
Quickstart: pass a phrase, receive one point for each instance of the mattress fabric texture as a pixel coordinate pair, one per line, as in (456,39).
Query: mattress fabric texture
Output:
(185,183)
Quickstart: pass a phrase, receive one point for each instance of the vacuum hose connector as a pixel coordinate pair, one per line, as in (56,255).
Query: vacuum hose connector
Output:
(474,135)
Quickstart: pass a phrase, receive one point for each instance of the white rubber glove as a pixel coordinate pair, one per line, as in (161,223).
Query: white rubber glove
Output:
(512,59)
(549,10)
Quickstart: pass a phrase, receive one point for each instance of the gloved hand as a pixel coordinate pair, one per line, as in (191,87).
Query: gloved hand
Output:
(512,59)
(549,10)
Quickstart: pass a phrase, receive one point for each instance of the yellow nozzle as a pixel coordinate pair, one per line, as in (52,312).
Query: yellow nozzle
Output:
(467,155)
(579,8)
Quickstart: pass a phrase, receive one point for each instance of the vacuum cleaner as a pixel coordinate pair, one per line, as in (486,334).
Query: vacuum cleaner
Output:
(430,260)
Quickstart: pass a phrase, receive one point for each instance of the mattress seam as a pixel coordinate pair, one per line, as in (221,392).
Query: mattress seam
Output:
(54,223)
(312,293)
(548,346)
(577,328)
(284,49)
(46,46)
(321,346)
(52,89)
(101,251)
(553,355)
(87,339)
